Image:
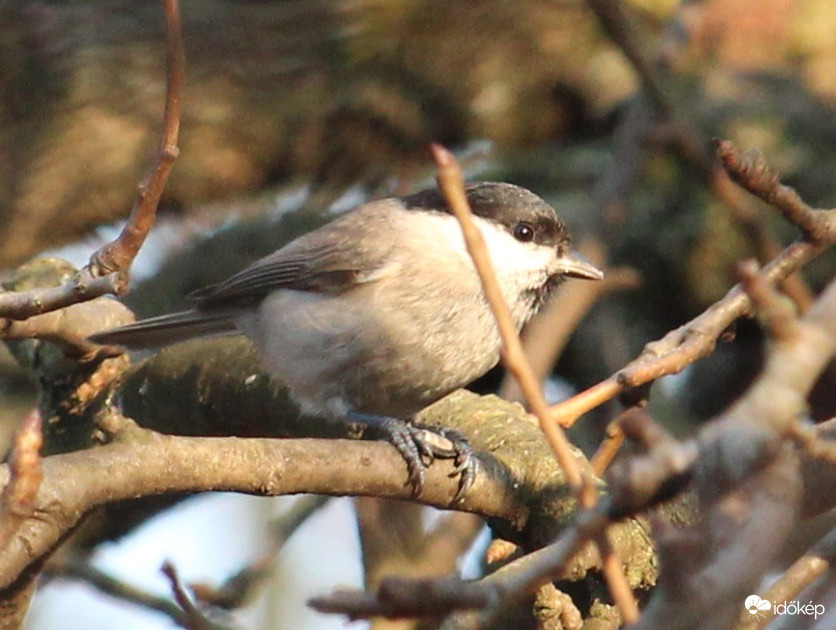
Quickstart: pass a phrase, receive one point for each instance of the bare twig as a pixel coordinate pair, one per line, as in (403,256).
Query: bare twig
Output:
(18,500)
(546,335)
(81,569)
(647,111)
(22,305)
(451,183)
(108,268)
(684,345)
(69,328)
(664,469)
(751,171)
(752,221)
(612,443)
(615,22)
(696,339)
(194,618)
(398,598)
(774,311)
(118,255)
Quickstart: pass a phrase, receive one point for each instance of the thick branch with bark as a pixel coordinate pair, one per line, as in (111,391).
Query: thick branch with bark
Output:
(143,463)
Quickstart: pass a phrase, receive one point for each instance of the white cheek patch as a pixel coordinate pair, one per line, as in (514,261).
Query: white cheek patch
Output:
(518,265)
(514,258)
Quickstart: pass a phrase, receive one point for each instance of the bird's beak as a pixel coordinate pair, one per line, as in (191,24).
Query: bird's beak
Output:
(574,265)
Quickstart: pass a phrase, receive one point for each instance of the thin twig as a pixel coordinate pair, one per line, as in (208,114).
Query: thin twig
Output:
(20,305)
(70,327)
(696,339)
(614,20)
(752,222)
(119,254)
(107,271)
(81,569)
(399,598)
(451,183)
(192,615)
(609,447)
(775,311)
(751,171)
(18,500)
(683,346)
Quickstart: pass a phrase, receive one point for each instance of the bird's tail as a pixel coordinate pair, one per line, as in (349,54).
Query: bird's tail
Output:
(166,329)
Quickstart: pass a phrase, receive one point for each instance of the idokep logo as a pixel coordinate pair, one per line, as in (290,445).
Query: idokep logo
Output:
(758,608)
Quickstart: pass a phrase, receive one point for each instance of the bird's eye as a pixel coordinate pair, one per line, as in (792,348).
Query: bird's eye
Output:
(524,232)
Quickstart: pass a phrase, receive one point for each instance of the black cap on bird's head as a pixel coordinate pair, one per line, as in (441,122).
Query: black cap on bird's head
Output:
(526,216)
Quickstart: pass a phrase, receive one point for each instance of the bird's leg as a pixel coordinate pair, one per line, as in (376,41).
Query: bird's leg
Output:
(456,448)
(420,445)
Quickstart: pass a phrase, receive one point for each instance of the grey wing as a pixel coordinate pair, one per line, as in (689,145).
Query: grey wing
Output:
(332,259)
(320,263)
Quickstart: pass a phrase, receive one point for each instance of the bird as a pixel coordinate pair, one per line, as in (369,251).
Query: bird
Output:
(380,313)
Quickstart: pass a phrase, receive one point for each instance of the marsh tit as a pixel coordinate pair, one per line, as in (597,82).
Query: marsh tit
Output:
(380,313)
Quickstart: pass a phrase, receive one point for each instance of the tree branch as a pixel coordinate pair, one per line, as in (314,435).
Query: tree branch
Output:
(751,171)
(696,339)
(107,271)
(73,568)
(118,255)
(17,502)
(451,182)
(144,463)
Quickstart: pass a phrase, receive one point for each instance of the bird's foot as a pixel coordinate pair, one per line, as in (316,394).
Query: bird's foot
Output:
(421,445)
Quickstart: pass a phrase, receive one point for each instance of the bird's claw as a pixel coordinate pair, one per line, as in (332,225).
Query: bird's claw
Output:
(420,446)
(452,445)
